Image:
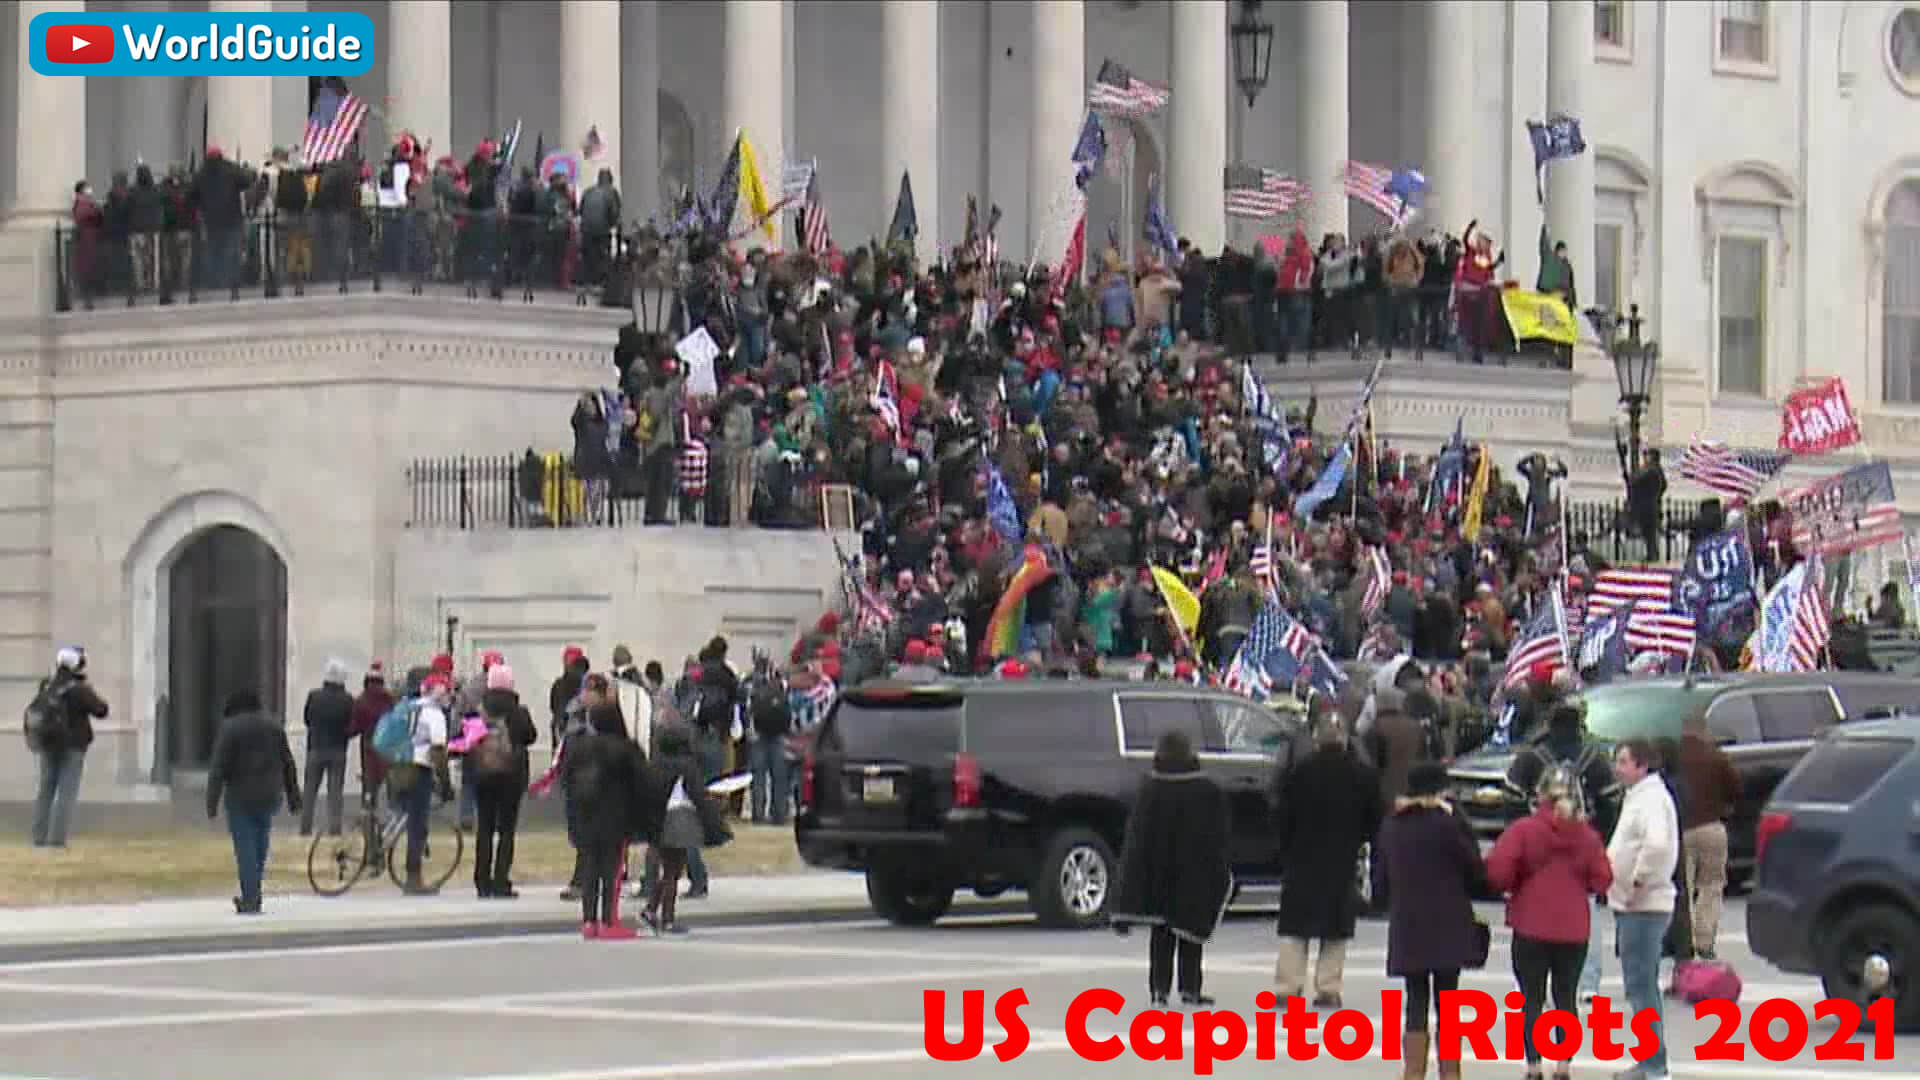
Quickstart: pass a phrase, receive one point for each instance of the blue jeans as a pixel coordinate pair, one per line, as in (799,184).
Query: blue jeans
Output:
(1596,968)
(1296,322)
(767,757)
(251,830)
(1640,934)
(53,800)
(417,801)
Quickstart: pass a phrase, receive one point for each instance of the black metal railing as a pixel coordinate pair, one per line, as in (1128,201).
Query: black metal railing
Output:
(1617,538)
(543,491)
(490,254)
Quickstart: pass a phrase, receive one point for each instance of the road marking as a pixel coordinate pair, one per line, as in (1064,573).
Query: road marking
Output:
(167,993)
(789,982)
(147,1020)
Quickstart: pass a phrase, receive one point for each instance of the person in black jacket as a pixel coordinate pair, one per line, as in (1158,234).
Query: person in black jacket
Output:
(497,796)
(602,772)
(252,766)
(689,819)
(73,706)
(1175,873)
(329,717)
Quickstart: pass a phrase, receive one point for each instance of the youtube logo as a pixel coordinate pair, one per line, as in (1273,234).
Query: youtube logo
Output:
(79,43)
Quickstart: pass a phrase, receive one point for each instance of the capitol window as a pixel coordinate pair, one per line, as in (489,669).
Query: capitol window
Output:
(1609,241)
(1900,340)
(1610,39)
(1903,50)
(1742,307)
(1743,37)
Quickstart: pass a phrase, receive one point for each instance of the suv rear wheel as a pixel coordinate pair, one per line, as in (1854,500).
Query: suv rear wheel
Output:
(1076,880)
(904,900)
(1875,930)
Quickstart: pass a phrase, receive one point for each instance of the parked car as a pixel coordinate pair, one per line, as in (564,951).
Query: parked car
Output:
(996,786)
(1839,870)
(1765,723)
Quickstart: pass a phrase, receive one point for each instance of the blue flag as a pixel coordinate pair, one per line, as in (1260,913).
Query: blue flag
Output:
(1089,151)
(1324,488)
(1407,185)
(1451,466)
(1554,140)
(1159,229)
(1001,511)
(1715,584)
(1603,648)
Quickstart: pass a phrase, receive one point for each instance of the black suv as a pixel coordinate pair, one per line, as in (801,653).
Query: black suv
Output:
(1839,866)
(1765,723)
(1018,785)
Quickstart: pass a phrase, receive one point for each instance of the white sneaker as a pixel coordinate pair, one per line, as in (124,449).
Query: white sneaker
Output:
(634,892)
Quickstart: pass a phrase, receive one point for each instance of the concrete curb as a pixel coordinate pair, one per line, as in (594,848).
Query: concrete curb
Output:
(188,941)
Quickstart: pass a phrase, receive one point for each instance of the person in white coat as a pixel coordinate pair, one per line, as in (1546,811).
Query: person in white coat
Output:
(1644,852)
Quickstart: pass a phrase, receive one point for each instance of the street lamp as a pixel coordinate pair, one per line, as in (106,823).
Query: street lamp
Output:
(655,291)
(1634,362)
(1252,50)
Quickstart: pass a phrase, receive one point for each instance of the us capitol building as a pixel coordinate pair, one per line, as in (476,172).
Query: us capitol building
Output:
(177,479)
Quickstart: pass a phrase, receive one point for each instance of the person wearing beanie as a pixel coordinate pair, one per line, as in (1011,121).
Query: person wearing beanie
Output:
(252,767)
(466,706)
(329,718)
(1175,871)
(1432,873)
(498,776)
(372,704)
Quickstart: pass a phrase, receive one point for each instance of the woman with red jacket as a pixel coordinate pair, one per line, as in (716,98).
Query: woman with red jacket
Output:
(1551,865)
(1475,299)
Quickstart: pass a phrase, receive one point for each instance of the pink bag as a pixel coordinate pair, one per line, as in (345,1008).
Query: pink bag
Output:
(1695,981)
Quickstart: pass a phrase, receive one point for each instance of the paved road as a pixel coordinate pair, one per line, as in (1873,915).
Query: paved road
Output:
(806,1000)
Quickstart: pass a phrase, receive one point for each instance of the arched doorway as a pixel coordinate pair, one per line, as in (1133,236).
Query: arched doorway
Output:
(226,619)
(1118,194)
(677,150)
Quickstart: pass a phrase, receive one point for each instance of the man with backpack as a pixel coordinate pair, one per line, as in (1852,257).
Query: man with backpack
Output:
(59,728)
(772,722)
(412,739)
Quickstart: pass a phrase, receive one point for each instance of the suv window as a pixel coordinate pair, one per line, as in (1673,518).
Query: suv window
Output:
(1144,719)
(1734,717)
(1020,723)
(904,731)
(1787,715)
(1842,770)
(1245,729)
(1860,697)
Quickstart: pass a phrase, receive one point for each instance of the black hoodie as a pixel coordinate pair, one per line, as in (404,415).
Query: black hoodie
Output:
(504,705)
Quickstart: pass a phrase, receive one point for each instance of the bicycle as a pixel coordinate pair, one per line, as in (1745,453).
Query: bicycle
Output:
(378,838)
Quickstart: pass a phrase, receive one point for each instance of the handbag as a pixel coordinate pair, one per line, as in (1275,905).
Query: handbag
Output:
(679,797)
(1482,943)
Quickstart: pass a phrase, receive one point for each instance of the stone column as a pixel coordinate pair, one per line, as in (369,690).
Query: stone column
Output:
(1570,180)
(1449,107)
(419,48)
(639,165)
(50,144)
(756,85)
(1059,61)
(590,66)
(1197,129)
(1323,112)
(910,113)
(240,107)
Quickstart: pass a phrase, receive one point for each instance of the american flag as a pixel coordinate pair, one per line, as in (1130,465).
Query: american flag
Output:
(1369,184)
(1273,633)
(1542,640)
(1812,625)
(1245,677)
(1655,623)
(1848,512)
(1277,196)
(814,234)
(332,127)
(1261,562)
(1379,577)
(1734,474)
(1116,91)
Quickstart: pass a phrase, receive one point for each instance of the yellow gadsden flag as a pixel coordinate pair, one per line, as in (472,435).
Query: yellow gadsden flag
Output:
(1477,496)
(1180,599)
(754,190)
(1539,317)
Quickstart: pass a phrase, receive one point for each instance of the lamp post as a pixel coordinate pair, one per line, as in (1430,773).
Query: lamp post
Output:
(655,290)
(1252,50)
(1634,363)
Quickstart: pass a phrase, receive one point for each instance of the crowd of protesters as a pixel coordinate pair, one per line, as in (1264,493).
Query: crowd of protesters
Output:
(214,224)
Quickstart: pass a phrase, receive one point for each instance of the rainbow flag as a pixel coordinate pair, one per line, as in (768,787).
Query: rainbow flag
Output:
(1010,614)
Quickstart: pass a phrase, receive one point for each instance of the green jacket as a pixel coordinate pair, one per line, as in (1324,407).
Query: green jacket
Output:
(1556,273)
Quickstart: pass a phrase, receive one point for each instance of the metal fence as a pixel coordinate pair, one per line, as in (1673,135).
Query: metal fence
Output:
(543,492)
(276,255)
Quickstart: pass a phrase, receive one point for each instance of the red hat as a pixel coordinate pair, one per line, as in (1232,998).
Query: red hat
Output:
(571,654)
(935,631)
(831,669)
(916,652)
(1013,668)
(828,623)
(214,151)
(376,672)
(1399,577)
(443,664)
(435,681)
(491,658)
(1183,669)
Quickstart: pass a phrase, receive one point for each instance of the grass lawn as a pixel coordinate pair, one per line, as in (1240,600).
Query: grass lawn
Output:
(188,861)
